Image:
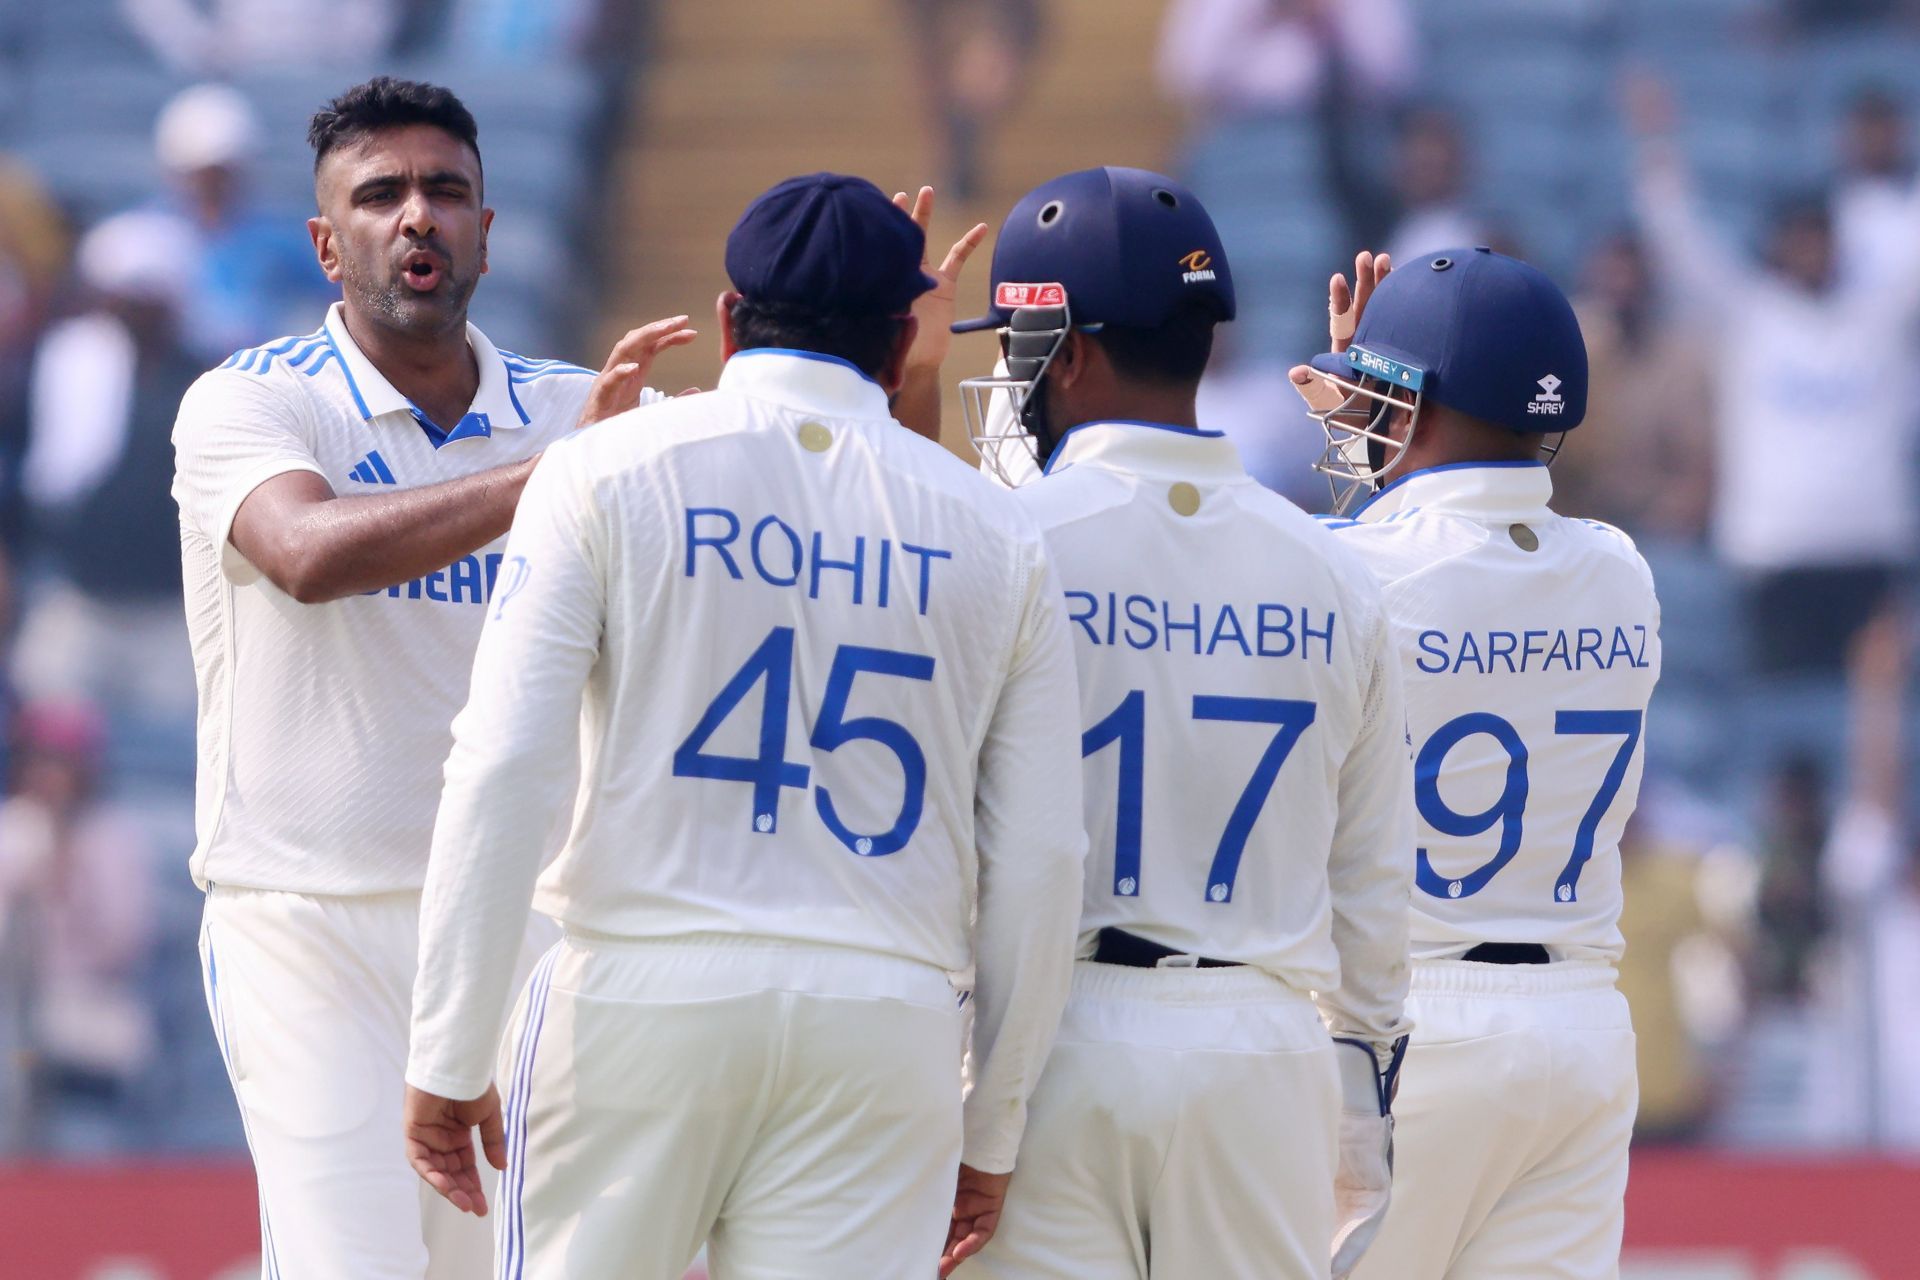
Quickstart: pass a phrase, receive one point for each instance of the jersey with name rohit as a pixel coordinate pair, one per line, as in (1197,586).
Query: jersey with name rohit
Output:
(1247,789)
(821,676)
(323,727)
(1531,644)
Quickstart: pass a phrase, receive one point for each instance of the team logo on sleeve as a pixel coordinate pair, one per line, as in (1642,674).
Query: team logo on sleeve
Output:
(515,578)
(1549,399)
(1198,267)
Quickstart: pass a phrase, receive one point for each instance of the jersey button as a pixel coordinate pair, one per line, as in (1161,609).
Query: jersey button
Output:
(815,438)
(1183,498)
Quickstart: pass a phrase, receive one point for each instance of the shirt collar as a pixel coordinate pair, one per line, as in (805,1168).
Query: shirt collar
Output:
(1494,490)
(494,404)
(805,380)
(1148,448)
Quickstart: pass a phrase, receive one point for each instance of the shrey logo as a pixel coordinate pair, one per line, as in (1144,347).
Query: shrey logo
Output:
(1549,400)
(1199,266)
(518,571)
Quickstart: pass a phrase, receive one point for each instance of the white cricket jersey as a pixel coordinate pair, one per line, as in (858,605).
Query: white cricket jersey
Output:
(828,698)
(1530,643)
(323,727)
(1247,785)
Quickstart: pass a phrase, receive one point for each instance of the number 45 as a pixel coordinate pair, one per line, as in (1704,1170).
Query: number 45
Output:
(769,771)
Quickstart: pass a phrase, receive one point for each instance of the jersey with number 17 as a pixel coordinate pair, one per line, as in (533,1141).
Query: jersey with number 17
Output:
(1530,643)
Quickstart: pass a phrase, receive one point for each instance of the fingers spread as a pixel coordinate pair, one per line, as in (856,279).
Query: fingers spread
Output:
(962,250)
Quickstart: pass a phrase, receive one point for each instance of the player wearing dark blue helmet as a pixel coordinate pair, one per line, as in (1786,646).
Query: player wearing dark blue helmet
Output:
(1408,388)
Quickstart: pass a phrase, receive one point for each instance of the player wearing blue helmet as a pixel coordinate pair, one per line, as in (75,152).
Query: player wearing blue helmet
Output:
(1530,645)
(1247,790)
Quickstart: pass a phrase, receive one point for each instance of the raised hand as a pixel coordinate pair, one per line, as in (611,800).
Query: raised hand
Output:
(617,388)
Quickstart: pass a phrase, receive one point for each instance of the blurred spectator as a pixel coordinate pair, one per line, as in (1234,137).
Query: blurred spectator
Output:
(1870,1091)
(1245,57)
(106,384)
(251,271)
(226,37)
(1874,204)
(1791,913)
(972,59)
(1815,497)
(76,912)
(33,253)
(1417,204)
(1642,458)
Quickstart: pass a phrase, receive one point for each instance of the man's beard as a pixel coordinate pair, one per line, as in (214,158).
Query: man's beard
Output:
(394,305)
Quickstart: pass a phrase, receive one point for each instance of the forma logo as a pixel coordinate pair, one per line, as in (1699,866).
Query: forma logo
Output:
(1199,267)
(1549,399)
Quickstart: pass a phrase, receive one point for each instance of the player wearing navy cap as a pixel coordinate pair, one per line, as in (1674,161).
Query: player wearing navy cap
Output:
(1530,645)
(1246,781)
(829,791)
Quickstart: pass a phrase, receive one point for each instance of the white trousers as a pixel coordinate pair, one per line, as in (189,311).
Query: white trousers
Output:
(797,1106)
(310,999)
(1510,1141)
(1184,1129)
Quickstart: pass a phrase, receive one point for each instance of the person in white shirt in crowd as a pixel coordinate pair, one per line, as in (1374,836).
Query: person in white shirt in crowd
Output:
(1530,643)
(1864,1082)
(250,272)
(228,37)
(77,911)
(1876,201)
(344,497)
(104,624)
(1247,784)
(1246,57)
(830,791)
(1815,500)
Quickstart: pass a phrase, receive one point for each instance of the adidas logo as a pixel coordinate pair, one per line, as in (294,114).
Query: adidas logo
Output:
(372,469)
(1549,400)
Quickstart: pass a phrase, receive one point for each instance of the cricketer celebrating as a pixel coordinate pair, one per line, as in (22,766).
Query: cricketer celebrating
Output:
(343,497)
(1530,645)
(1248,792)
(830,787)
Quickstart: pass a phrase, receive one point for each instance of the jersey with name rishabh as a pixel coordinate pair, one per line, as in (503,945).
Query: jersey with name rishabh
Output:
(1247,792)
(1530,643)
(323,727)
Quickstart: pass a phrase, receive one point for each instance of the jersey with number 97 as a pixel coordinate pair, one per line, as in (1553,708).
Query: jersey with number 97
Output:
(1530,643)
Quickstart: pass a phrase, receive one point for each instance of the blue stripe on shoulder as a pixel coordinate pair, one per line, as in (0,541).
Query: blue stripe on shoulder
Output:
(521,377)
(258,360)
(1336,522)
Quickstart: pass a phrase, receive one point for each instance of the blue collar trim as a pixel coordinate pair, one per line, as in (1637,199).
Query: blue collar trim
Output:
(358,400)
(1391,485)
(820,356)
(1199,433)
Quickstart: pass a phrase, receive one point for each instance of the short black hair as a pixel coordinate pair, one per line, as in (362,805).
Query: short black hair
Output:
(864,341)
(386,103)
(1173,354)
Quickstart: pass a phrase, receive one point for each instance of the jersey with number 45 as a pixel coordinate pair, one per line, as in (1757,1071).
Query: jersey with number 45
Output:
(1530,643)
(1246,775)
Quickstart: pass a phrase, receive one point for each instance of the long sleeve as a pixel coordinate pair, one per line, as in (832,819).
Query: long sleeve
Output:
(1370,871)
(1032,846)
(1701,270)
(512,764)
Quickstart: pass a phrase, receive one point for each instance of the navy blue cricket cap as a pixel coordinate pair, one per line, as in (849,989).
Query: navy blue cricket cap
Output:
(831,243)
(1128,246)
(1479,332)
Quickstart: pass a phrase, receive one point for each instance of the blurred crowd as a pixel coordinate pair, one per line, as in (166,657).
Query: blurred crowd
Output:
(1749,295)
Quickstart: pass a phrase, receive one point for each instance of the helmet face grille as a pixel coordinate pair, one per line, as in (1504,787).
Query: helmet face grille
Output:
(996,407)
(1361,451)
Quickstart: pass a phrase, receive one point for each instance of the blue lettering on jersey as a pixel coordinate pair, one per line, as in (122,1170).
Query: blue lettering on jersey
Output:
(1538,650)
(859,569)
(1203,630)
(468,580)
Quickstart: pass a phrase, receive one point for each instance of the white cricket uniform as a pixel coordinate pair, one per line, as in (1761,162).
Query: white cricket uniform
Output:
(1248,797)
(828,717)
(1530,644)
(323,730)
